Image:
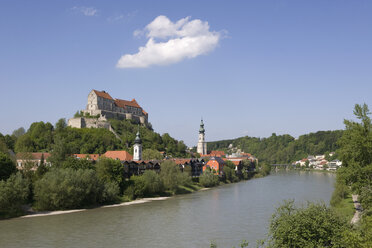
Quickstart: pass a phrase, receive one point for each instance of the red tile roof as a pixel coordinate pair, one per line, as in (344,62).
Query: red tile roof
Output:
(180,161)
(90,156)
(217,153)
(120,155)
(124,103)
(103,94)
(32,155)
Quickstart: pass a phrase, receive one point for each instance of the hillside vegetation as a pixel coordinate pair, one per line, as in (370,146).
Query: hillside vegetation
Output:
(41,137)
(283,148)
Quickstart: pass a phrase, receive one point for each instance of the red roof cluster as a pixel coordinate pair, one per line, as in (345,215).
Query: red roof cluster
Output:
(32,155)
(103,94)
(120,155)
(89,156)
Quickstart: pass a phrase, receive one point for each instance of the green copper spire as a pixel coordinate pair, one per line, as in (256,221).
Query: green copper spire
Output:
(201,129)
(137,140)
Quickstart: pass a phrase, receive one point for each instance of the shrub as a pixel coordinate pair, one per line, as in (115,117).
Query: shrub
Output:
(312,226)
(171,176)
(110,170)
(13,193)
(366,197)
(110,193)
(340,192)
(7,166)
(208,179)
(153,182)
(68,188)
(230,174)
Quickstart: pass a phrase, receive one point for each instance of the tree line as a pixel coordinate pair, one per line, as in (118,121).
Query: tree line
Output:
(42,137)
(282,149)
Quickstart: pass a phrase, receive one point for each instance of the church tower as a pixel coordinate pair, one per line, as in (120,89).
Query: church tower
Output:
(137,148)
(202,145)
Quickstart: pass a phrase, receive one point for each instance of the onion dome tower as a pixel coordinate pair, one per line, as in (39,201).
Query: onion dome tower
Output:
(137,147)
(202,145)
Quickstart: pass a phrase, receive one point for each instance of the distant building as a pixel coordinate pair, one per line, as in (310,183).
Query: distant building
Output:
(32,158)
(92,157)
(101,105)
(202,145)
(215,164)
(118,155)
(217,154)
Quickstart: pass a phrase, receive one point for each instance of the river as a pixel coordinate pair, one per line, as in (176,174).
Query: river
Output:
(226,215)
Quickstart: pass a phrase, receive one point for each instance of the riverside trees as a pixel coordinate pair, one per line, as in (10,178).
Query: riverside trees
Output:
(319,226)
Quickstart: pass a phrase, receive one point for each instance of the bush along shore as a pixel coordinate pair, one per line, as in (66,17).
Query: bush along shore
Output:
(72,183)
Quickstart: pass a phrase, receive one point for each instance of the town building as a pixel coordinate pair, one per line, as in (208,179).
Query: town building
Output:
(92,157)
(202,145)
(101,106)
(216,164)
(118,155)
(195,165)
(33,159)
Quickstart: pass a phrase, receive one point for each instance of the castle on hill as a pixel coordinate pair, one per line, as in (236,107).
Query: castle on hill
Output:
(103,106)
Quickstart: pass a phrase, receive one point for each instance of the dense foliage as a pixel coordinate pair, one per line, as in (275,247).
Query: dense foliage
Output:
(283,148)
(151,154)
(172,176)
(312,226)
(150,139)
(69,188)
(7,166)
(319,226)
(14,193)
(43,137)
(208,179)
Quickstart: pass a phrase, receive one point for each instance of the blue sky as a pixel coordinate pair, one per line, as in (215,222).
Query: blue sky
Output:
(277,66)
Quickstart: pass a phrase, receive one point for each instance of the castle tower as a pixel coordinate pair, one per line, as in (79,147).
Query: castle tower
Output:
(137,148)
(202,145)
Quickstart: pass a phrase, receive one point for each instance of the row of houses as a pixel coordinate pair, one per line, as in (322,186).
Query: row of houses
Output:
(195,165)
(319,162)
(131,167)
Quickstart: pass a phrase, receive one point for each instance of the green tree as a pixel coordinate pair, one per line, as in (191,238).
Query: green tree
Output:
(153,183)
(13,194)
(230,174)
(7,166)
(315,225)
(151,154)
(19,132)
(60,152)
(172,177)
(76,163)
(110,170)
(61,124)
(208,179)
(356,142)
(69,188)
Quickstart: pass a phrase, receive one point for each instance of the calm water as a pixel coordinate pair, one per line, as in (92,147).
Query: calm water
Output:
(225,214)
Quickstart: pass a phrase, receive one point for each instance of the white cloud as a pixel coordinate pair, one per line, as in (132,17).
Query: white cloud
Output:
(170,42)
(87,11)
(122,17)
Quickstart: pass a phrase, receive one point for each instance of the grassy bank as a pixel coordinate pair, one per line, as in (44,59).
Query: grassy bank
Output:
(345,207)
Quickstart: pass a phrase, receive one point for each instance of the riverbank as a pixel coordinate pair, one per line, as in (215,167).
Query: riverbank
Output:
(31,213)
(184,190)
(304,169)
(58,212)
(125,200)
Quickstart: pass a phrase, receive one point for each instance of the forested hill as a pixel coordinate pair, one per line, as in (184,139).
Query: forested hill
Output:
(283,148)
(42,137)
